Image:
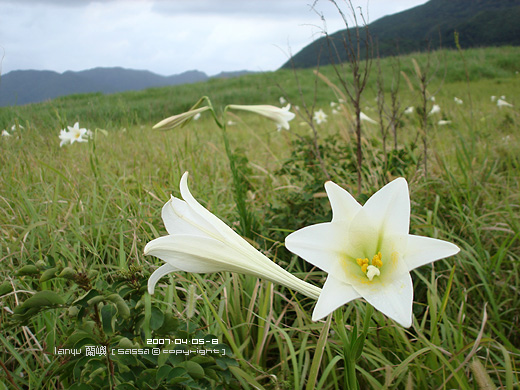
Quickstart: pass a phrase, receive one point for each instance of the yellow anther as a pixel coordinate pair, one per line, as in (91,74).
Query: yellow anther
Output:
(376,260)
(362,262)
(364,268)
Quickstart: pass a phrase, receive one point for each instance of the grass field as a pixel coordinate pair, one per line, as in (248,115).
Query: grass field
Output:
(74,221)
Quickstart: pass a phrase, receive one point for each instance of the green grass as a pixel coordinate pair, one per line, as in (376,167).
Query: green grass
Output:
(93,207)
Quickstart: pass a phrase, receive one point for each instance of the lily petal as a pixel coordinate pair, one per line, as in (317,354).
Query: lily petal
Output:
(344,206)
(389,208)
(334,294)
(424,250)
(308,243)
(158,274)
(393,299)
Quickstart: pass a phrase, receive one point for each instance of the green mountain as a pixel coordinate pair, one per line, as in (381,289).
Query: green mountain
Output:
(31,86)
(478,22)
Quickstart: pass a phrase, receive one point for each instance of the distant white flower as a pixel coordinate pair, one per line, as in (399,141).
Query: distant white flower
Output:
(231,123)
(443,122)
(333,104)
(432,98)
(457,100)
(409,110)
(197,116)
(334,111)
(199,242)
(5,133)
(320,117)
(503,103)
(503,97)
(15,127)
(282,116)
(367,251)
(435,109)
(179,119)
(365,118)
(282,100)
(74,134)
(341,101)
(493,98)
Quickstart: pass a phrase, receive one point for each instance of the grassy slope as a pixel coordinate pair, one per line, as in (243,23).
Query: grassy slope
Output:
(95,209)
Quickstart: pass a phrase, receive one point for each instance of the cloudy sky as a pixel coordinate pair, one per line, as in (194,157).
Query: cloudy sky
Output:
(167,36)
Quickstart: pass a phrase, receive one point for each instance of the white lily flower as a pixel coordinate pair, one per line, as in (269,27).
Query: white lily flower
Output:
(409,110)
(493,98)
(74,134)
(443,122)
(457,100)
(282,100)
(5,133)
(200,242)
(435,109)
(282,116)
(179,119)
(368,251)
(320,117)
(503,103)
(365,118)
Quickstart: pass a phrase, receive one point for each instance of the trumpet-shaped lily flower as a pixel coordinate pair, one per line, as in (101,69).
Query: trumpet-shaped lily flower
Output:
(457,100)
(364,117)
(200,242)
(320,117)
(367,251)
(74,134)
(503,103)
(180,119)
(282,116)
(435,109)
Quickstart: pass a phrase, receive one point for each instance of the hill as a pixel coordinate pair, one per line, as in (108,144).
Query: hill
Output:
(31,86)
(479,23)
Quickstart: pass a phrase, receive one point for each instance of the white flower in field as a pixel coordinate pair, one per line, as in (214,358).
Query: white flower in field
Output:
(179,119)
(367,251)
(5,133)
(282,116)
(443,122)
(196,117)
(74,134)
(365,118)
(457,100)
(17,127)
(503,103)
(435,109)
(493,98)
(282,100)
(320,117)
(334,111)
(409,110)
(333,104)
(432,98)
(200,242)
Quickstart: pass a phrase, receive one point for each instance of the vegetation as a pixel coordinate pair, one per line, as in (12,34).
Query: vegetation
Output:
(74,221)
(479,24)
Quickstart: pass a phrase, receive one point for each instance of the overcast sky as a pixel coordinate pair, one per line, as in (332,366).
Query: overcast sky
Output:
(167,36)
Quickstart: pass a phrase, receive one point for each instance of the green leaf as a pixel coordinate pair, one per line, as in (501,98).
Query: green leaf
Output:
(48,274)
(194,370)
(43,298)
(108,319)
(27,270)
(5,288)
(156,319)
(162,373)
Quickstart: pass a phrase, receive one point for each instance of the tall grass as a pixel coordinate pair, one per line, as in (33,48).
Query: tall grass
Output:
(93,207)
